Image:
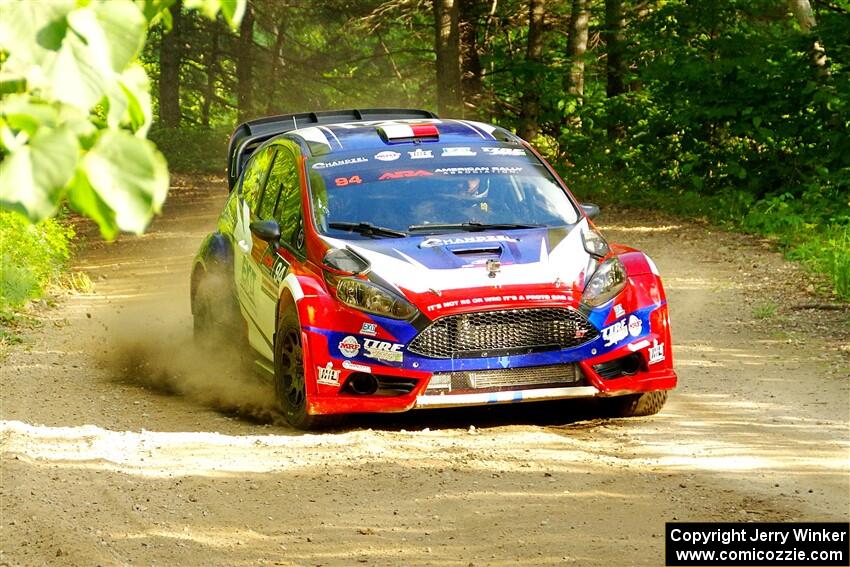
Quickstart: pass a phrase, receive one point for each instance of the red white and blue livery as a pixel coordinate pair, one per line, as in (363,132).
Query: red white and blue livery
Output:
(384,260)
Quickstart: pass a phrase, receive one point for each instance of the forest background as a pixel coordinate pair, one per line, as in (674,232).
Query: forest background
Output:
(732,111)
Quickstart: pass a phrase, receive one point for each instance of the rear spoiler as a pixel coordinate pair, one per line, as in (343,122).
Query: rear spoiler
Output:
(249,135)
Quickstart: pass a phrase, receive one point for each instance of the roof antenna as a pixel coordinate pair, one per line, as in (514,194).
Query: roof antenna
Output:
(294,123)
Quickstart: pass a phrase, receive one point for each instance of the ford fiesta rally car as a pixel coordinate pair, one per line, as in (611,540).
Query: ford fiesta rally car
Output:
(383,260)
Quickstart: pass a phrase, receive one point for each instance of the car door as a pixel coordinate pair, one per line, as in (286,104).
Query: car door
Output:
(281,201)
(247,248)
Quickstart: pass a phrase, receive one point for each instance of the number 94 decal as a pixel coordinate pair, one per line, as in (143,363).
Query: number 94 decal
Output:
(279,269)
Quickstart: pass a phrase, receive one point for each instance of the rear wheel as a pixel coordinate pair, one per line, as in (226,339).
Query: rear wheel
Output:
(210,310)
(289,376)
(636,405)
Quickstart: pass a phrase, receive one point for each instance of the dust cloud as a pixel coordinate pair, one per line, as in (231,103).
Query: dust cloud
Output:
(152,345)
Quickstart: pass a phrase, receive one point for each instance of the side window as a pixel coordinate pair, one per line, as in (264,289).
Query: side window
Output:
(271,194)
(287,209)
(255,177)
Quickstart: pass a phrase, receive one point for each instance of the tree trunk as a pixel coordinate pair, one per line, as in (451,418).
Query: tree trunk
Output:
(170,58)
(447,48)
(530,102)
(802,10)
(244,65)
(577,47)
(210,59)
(615,23)
(277,64)
(472,84)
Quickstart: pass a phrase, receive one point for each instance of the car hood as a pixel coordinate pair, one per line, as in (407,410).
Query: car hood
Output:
(538,257)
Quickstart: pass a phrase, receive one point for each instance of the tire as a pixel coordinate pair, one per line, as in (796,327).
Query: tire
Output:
(637,405)
(289,376)
(206,325)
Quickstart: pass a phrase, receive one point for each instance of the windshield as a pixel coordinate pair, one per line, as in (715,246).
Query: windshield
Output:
(365,194)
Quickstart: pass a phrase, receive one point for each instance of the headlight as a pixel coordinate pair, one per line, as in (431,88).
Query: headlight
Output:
(595,243)
(369,297)
(608,280)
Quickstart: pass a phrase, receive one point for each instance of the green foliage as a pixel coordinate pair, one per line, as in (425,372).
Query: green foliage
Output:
(31,255)
(76,109)
(193,150)
(728,120)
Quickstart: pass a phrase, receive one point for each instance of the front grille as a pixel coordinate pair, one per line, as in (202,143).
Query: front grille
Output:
(500,333)
(505,378)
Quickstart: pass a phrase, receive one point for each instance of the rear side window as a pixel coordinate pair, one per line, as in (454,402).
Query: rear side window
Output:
(255,177)
(271,194)
(285,207)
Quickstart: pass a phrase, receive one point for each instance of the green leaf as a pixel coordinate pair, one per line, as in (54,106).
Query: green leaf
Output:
(31,31)
(232,10)
(84,199)
(130,176)
(33,176)
(121,31)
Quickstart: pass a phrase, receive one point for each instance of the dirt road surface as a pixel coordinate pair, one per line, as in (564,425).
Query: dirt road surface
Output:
(121,445)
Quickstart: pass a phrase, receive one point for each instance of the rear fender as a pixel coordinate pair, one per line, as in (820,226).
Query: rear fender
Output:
(215,254)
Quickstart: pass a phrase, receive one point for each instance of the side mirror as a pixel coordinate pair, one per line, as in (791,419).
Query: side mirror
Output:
(267,230)
(591,210)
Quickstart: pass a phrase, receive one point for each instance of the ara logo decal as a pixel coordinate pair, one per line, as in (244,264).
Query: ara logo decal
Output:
(615,333)
(404,173)
(382,350)
(656,352)
(328,375)
(349,347)
(619,311)
(635,326)
(387,156)
(370,329)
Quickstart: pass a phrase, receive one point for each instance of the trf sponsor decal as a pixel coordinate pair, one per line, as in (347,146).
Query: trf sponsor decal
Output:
(615,333)
(370,329)
(656,352)
(458,152)
(619,311)
(328,375)
(327,164)
(504,151)
(387,156)
(382,350)
(635,326)
(349,346)
(348,365)
(420,154)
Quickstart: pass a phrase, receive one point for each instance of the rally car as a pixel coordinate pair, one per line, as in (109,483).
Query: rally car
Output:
(382,260)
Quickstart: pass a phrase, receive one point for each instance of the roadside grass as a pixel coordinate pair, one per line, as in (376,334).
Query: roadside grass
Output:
(32,257)
(765,310)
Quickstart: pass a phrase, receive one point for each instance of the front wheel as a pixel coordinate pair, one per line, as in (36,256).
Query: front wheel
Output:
(289,376)
(636,405)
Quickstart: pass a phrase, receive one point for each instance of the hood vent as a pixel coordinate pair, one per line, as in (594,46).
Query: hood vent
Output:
(478,251)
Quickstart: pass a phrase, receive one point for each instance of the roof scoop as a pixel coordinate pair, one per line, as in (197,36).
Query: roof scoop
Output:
(395,133)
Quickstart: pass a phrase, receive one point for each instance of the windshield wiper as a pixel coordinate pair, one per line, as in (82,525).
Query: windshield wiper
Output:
(367,229)
(469,226)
